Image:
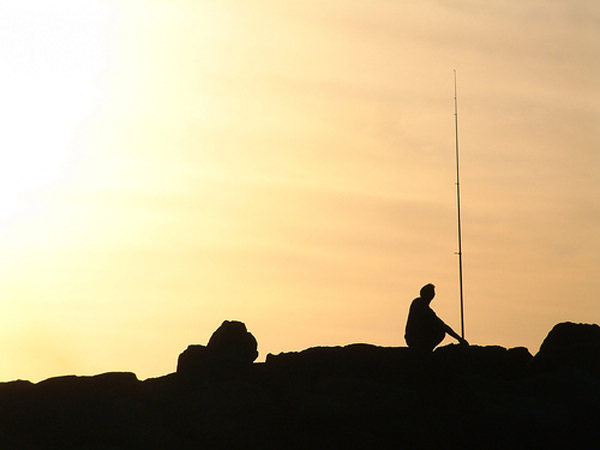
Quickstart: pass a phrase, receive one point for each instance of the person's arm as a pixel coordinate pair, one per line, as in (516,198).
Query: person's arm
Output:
(452,333)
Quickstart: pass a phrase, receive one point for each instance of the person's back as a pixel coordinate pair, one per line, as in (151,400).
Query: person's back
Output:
(424,329)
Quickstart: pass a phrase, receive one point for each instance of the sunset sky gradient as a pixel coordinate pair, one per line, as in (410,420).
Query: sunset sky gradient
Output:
(169,164)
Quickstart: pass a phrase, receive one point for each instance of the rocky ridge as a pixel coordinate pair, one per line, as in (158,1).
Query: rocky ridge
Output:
(356,396)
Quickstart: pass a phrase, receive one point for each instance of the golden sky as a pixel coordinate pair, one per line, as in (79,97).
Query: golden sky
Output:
(169,164)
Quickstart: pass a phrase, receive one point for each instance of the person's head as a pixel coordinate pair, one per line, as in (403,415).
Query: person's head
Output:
(428,292)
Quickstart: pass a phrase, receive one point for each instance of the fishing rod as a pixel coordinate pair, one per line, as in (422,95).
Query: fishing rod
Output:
(459,253)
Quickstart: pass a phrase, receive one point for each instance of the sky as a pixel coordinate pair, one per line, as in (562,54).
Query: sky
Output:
(168,165)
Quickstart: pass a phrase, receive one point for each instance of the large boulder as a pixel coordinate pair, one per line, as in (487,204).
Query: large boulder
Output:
(230,351)
(232,344)
(193,361)
(572,345)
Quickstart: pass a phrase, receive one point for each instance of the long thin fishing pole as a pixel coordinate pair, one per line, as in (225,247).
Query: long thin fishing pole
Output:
(460,265)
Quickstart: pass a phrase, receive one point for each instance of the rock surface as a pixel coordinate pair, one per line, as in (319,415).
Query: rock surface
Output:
(357,396)
(232,344)
(230,352)
(571,345)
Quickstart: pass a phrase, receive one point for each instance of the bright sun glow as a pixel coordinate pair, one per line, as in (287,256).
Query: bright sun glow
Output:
(52,55)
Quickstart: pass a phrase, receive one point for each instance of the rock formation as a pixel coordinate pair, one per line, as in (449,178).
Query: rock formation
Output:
(231,350)
(357,396)
(576,346)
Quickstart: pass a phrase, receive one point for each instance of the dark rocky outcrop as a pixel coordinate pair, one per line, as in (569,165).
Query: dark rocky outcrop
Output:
(356,396)
(573,345)
(231,350)
(231,344)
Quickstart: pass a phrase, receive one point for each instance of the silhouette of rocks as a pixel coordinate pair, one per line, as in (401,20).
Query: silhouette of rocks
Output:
(193,362)
(571,345)
(356,396)
(231,350)
(103,411)
(232,344)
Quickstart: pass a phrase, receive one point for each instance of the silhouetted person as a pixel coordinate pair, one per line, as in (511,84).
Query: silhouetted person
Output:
(424,329)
